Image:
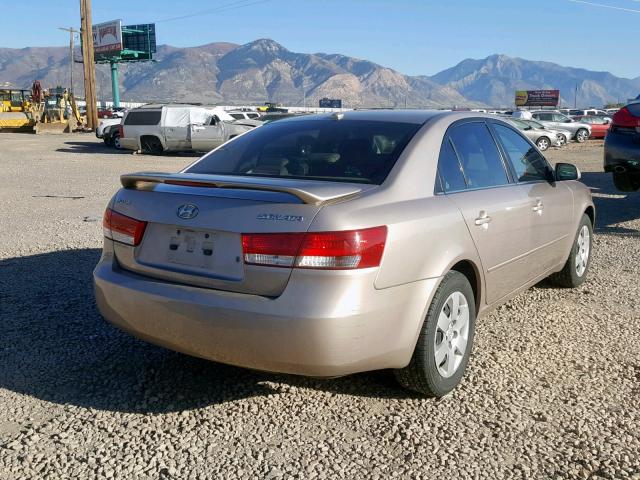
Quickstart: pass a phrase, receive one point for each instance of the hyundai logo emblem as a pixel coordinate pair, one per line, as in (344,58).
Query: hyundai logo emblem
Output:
(187,211)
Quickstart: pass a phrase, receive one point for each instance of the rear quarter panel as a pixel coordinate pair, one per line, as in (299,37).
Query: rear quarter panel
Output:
(426,232)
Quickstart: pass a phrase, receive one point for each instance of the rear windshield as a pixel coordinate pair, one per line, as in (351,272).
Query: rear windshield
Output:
(336,150)
(148,117)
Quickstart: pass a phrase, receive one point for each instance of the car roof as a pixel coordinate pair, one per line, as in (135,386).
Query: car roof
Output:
(417,117)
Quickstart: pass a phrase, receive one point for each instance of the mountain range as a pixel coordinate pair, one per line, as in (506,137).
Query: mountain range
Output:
(264,70)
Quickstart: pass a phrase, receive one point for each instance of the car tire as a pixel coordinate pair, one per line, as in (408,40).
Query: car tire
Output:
(582,135)
(626,181)
(562,139)
(116,141)
(576,268)
(543,143)
(437,364)
(151,145)
(107,141)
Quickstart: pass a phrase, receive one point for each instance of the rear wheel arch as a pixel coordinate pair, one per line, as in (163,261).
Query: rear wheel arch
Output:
(151,143)
(471,272)
(591,213)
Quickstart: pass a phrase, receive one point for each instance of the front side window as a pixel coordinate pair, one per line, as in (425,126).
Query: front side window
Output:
(560,118)
(527,162)
(449,169)
(237,116)
(479,156)
(317,149)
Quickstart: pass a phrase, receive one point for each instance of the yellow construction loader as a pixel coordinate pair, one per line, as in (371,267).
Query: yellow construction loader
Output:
(15,106)
(38,110)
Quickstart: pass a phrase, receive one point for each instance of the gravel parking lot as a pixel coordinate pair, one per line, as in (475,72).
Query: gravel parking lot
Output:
(552,390)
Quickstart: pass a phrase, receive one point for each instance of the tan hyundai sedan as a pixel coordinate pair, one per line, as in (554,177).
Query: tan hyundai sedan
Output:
(332,244)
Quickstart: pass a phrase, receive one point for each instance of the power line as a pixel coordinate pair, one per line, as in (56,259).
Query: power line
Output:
(602,5)
(220,8)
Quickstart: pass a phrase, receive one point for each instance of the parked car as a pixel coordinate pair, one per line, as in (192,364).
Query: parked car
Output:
(111,135)
(599,125)
(242,115)
(580,131)
(563,135)
(589,111)
(104,123)
(542,138)
(175,127)
(111,112)
(622,148)
(329,245)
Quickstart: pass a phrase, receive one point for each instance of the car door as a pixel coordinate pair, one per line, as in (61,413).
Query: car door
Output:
(474,176)
(550,204)
(207,137)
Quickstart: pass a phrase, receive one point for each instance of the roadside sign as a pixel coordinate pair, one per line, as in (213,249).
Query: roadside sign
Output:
(330,103)
(537,98)
(107,39)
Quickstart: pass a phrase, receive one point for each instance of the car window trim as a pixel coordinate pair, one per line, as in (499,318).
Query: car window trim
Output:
(503,151)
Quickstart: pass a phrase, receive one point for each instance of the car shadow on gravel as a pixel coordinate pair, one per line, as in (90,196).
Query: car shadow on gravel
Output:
(56,347)
(91,147)
(612,206)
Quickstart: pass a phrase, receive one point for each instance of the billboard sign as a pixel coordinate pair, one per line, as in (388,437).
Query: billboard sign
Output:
(330,103)
(140,39)
(107,38)
(537,98)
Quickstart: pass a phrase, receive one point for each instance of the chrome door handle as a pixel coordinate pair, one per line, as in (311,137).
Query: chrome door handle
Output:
(483,219)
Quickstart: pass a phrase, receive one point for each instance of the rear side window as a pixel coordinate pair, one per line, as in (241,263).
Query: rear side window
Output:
(449,169)
(478,154)
(335,150)
(149,117)
(527,162)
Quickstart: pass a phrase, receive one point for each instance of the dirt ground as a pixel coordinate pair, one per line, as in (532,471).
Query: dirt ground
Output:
(552,390)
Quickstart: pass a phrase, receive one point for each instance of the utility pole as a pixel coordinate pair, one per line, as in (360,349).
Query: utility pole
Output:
(72,31)
(86,33)
(575,97)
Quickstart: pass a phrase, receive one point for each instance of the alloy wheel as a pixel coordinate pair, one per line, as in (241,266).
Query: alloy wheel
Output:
(582,136)
(452,334)
(543,144)
(584,247)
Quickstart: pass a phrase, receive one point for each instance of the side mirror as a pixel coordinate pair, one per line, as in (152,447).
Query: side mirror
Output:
(567,171)
(568,120)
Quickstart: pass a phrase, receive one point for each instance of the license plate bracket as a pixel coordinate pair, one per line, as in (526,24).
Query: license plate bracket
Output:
(192,248)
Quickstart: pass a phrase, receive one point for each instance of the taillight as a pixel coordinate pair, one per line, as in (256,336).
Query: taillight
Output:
(121,131)
(625,119)
(343,250)
(121,228)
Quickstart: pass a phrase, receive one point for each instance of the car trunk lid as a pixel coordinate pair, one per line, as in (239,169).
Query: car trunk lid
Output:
(195,223)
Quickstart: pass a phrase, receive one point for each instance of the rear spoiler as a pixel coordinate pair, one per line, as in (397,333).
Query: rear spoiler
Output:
(313,193)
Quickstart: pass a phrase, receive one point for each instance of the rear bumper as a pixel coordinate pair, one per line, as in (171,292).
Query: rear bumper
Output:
(622,150)
(129,143)
(324,324)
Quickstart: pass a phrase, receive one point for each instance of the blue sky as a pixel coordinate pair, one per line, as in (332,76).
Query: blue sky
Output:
(412,36)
